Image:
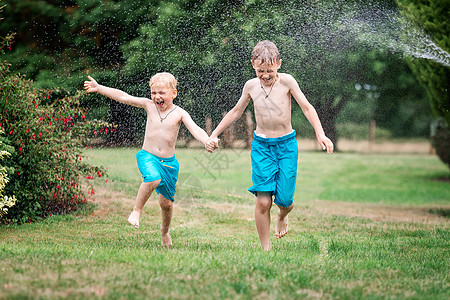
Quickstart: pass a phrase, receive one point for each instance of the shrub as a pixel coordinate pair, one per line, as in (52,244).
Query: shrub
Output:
(48,131)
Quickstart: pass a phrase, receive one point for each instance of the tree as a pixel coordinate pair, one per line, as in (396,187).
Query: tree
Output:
(208,46)
(59,42)
(432,16)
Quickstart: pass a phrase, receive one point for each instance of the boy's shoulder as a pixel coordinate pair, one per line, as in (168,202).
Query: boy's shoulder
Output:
(288,80)
(181,111)
(252,81)
(286,76)
(147,101)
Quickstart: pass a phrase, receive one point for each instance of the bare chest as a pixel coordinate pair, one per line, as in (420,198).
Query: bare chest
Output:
(164,123)
(276,98)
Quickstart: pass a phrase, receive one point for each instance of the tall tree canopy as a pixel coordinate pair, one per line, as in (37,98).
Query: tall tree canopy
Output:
(207,45)
(433,17)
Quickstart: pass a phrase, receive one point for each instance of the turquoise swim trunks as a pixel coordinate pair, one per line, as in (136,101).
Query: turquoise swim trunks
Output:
(274,167)
(153,168)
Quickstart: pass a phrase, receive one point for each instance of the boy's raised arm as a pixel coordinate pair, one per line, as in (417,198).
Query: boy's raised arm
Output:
(92,86)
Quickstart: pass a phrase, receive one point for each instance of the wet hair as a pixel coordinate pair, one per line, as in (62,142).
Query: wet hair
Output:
(266,52)
(164,78)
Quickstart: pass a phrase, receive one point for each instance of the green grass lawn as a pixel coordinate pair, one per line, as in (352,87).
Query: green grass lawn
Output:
(364,227)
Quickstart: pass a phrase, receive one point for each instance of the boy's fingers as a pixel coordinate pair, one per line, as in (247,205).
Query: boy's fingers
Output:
(330,147)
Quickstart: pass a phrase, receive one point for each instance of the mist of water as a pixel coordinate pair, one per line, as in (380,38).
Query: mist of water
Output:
(386,28)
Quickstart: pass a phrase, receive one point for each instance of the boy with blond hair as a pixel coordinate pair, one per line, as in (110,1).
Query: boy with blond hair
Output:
(156,160)
(274,151)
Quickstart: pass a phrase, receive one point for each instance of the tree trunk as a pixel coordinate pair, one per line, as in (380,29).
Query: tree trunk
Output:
(327,117)
(228,134)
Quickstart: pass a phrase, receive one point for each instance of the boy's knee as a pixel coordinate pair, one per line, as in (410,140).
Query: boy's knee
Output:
(165,204)
(152,184)
(264,203)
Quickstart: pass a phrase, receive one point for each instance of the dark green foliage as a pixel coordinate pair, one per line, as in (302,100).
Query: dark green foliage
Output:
(57,41)
(207,45)
(432,16)
(209,51)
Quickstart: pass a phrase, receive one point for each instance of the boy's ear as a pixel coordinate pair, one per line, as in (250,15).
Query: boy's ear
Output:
(175,93)
(279,63)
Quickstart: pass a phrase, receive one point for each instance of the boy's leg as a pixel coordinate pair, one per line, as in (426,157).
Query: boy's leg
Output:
(286,181)
(144,192)
(282,222)
(262,217)
(166,218)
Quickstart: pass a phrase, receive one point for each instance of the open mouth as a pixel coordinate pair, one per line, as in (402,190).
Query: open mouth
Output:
(266,80)
(159,103)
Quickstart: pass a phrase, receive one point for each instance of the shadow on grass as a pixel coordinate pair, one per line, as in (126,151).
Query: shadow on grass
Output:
(443,212)
(443,178)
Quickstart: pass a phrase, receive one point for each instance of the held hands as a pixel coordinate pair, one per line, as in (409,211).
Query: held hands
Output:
(91,86)
(326,143)
(211,144)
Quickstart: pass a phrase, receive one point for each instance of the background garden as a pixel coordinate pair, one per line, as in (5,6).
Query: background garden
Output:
(365,225)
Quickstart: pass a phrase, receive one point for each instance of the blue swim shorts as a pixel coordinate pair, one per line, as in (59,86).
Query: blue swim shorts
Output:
(153,168)
(274,167)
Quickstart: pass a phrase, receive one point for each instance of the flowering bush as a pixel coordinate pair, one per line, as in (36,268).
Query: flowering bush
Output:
(48,132)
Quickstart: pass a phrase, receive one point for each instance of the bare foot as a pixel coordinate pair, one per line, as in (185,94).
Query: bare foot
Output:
(166,240)
(282,227)
(134,217)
